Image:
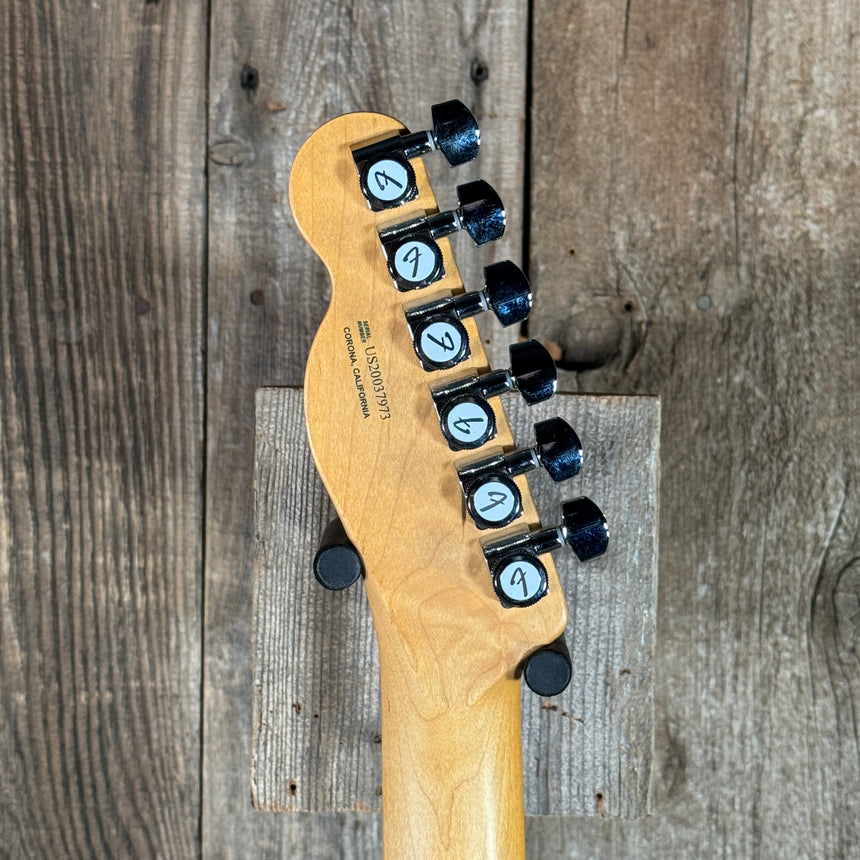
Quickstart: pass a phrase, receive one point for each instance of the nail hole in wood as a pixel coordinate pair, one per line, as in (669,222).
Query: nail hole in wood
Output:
(249,80)
(479,71)
(257,297)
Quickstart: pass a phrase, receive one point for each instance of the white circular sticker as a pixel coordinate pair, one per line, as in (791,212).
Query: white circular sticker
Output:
(468,422)
(494,501)
(441,341)
(521,581)
(387,180)
(415,261)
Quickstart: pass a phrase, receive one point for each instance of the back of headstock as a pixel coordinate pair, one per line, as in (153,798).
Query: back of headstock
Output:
(375,432)
(410,438)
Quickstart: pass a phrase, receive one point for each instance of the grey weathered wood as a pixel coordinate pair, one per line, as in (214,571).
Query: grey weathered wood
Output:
(102,207)
(316,715)
(267,293)
(709,154)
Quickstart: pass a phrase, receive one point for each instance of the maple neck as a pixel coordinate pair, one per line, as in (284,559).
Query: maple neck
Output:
(452,781)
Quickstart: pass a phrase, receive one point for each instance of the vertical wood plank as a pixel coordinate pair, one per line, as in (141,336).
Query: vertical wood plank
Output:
(277,71)
(710,162)
(101,271)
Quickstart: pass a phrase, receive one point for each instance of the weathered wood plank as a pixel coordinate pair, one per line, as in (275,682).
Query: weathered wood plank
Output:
(267,292)
(101,389)
(316,732)
(712,195)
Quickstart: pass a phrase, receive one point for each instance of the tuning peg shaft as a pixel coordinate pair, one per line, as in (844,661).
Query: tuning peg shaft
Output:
(414,258)
(439,337)
(548,671)
(387,179)
(337,563)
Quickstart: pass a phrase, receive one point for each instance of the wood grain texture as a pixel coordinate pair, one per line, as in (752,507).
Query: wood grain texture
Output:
(711,196)
(268,292)
(317,715)
(101,270)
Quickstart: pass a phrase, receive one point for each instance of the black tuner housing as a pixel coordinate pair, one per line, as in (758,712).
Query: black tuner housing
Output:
(337,564)
(414,257)
(534,371)
(387,179)
(548,671)
(585,527)
(507,293)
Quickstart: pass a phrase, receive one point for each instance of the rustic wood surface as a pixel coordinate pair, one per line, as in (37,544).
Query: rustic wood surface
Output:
(699,159)
(102,266)
(712,198)
(316,734)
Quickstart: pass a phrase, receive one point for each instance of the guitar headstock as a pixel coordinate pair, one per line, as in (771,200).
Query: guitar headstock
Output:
(402,410)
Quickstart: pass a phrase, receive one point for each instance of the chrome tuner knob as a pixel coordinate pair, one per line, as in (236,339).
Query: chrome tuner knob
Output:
(493,498)
(519,576)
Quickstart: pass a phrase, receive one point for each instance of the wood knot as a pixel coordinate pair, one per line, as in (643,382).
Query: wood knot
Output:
(231,152)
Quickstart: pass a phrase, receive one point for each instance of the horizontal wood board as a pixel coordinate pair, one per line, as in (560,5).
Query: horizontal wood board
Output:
(316,726)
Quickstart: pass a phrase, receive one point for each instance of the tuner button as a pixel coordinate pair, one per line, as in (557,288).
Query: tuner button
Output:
(388,181)
(508,292)
(494,501)
(558,448)
(534,371)
(467,422)
(455,131)
(337,564)
(519,580)
(586,531)
(415,263)
(481,211)
(548,670)
(441,342)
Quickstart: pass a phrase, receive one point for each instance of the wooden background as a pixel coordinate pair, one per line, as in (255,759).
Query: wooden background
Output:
(685,188)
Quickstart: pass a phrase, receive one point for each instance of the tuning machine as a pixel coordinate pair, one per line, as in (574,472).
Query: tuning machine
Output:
(492,496)
(414,257)
(467,418)
(440,338)
(386,177)
(519,576)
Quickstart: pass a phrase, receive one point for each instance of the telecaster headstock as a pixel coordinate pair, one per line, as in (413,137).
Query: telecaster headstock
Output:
(393,392)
